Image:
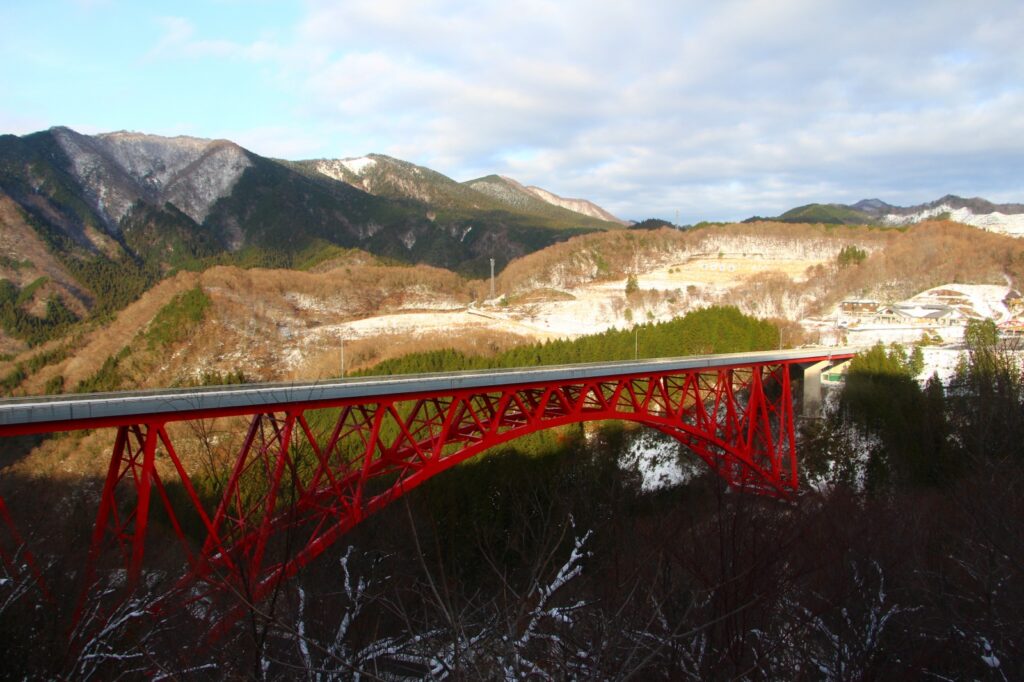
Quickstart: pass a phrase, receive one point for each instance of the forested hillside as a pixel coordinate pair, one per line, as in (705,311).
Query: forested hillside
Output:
(106,217)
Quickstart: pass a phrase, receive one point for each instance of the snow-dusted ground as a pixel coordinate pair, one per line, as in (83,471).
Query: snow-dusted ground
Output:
(655,457)
(870,335)
(941,362)
(1011,224)
(415,324)
(667,290)
(984,300)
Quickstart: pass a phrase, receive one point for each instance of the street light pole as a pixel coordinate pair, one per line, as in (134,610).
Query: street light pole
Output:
(636,343)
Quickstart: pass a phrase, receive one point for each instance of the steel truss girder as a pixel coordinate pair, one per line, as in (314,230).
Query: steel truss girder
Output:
(307,473)
(300,482)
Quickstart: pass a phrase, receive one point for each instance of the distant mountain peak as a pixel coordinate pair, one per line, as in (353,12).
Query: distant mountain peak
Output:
(872,206)
(514,193)
(583,206)
(117,169)
(975,211)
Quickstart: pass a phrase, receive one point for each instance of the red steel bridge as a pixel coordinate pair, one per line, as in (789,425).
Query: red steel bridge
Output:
(318,458)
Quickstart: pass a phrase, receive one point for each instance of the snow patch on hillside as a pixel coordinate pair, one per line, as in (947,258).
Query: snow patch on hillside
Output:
(507,191)
(723,260)
(771,248)
(359,165)
(338,169)
(655,457)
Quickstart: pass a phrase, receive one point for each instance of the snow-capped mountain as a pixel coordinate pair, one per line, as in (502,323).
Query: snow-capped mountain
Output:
(119,169)
(513,194)
(1005,218)
(1002,218)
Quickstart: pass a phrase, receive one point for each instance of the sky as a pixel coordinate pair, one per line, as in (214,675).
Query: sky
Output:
(677,109)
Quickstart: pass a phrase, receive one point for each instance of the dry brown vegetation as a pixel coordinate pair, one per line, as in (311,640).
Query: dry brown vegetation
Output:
(255,314)
(900,262)
(20,244)
(613,255)
(280,324)
(24,259)
(365,353)
(354,290)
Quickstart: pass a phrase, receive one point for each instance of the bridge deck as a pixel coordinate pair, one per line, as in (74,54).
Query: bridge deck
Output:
(69,412)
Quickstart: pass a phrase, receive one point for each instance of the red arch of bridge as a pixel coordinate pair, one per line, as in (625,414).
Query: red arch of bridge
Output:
(313,471)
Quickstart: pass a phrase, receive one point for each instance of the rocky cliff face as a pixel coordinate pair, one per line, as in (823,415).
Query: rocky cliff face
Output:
(118,169)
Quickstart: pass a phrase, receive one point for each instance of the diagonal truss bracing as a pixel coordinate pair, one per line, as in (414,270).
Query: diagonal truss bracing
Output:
(305,473)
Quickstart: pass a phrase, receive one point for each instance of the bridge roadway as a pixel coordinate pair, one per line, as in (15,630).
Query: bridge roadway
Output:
(19,416)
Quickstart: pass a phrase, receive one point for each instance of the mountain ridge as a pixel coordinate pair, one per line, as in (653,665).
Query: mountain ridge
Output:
(90,222)
(384,175)
(584,206)
(974,211)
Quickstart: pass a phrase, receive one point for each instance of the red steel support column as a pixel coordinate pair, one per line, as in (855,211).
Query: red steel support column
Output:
(142,508)
(19,550)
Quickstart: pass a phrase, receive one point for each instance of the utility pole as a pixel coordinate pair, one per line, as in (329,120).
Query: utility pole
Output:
(636,343)
(342,339)
(492,278)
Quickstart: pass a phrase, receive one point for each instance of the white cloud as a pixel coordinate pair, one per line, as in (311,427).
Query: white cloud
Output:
(179,39)
(719,109)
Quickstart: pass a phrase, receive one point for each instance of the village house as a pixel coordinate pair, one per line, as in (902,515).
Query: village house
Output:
(921,314)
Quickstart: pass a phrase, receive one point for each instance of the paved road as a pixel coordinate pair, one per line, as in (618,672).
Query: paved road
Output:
(65,412)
